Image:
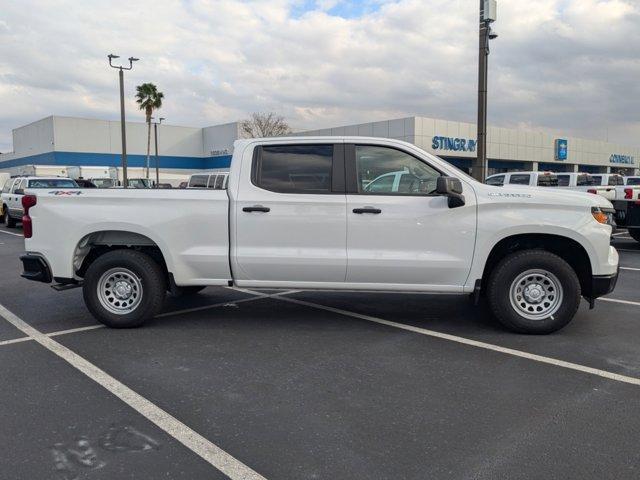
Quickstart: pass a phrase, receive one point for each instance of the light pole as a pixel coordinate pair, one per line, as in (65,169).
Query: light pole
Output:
(487,16)
(155,135)
(111,56)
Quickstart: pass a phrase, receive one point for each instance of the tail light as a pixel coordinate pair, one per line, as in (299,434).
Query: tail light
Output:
(28,201)
(628,193)
(592,190)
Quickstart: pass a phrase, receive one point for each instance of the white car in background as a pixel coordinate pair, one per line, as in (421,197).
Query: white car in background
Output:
(527,179)
(13,191)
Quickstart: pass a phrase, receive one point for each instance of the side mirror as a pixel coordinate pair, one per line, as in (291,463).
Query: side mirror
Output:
(451,187)
(19,191)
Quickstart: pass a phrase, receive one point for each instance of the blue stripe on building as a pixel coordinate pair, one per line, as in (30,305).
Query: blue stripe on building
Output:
(78,159)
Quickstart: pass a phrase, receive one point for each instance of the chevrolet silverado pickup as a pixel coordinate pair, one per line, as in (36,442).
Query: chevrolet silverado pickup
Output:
(323,213)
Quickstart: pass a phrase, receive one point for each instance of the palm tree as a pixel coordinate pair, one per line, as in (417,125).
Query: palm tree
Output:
(149,99)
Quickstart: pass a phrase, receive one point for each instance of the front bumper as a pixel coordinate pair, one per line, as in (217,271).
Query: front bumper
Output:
(603,284)
(35,268)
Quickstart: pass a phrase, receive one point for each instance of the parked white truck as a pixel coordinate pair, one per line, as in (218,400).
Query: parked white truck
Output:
(297,214)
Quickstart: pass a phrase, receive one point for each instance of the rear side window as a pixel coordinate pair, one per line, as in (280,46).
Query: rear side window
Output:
(52,183)
(294,168)
(597,179)
(547,181)
(563,180)
(198,181)
(585,180)
(633,181)
(519,179)
(498,180)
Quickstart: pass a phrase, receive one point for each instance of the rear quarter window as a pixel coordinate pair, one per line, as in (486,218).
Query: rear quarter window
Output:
(52,183)
(198,181)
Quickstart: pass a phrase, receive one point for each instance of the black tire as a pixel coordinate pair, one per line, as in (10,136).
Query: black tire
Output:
(186,291)
(152,288)
(516,264)
(635,234)
(9,220)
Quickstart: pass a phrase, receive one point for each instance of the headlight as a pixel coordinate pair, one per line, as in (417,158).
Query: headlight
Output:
(601,216)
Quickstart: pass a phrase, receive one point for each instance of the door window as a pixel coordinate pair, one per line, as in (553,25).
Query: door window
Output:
(7,185)
(563,180)
(294,168)
(519,179)
(387,171)
(497,180)
(219,182)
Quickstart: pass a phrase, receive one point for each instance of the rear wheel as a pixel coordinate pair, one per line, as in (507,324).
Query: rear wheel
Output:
(123,288)
(534,291)
(635,234)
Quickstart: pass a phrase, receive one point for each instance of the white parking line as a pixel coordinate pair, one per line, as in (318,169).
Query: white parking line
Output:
(214,455)
(11,233)
(474,343)
(615,300)
(627,250)
(259,295)
(630,268)
(15,340)
(619,233)
(74,330)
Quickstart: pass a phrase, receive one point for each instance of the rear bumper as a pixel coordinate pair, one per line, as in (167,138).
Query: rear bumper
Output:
(603,284)
(35,268)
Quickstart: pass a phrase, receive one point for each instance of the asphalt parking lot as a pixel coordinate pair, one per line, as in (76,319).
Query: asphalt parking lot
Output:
(315,385)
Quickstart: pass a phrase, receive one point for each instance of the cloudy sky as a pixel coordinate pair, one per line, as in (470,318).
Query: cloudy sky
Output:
(572,65)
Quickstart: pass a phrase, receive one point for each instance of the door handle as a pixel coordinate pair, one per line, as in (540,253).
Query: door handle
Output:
(367,210)
(256,208)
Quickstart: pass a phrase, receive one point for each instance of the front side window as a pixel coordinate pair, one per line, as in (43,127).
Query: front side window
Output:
(563,180)
(294,168)
(585,180)
(52,183)
(519,179)
(497,180)
(198,181)
(597,179)
(384,170)
(633,181)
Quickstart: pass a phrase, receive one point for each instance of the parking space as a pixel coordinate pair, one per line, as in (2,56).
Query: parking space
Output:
(315,385)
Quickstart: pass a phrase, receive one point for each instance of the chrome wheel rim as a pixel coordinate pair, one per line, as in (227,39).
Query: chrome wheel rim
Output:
(120,291)
(536,294)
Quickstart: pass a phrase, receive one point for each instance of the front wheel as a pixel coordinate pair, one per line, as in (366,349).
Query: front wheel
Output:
(123,288)
(8,220)
(635,233)
(533,291)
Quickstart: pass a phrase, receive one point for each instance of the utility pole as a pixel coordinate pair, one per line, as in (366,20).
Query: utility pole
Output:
(111,56)
(487,16)
(155,135)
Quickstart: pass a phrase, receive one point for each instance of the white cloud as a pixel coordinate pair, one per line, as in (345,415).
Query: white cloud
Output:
(562,64)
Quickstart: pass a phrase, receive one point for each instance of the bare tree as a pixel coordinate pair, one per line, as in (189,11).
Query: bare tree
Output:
(264,125)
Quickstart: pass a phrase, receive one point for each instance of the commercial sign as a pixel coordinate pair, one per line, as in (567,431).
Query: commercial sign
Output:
(453,143)
(561,146)
(625,159)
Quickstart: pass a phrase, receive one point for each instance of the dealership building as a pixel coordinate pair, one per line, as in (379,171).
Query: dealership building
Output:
(67,141)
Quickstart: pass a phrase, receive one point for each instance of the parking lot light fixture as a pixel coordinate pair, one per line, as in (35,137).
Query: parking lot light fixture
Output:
(155,135)
(121,68)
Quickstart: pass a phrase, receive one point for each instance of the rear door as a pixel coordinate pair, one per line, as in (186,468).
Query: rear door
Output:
(290,216)
(15,200)
(405,235)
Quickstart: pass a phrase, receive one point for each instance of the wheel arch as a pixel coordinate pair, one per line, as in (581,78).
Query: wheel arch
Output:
(569,249)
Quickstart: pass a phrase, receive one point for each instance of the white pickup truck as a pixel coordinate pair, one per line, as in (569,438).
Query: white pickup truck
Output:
(297,214)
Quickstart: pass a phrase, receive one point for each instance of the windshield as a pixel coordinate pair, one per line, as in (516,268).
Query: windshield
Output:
(52,183)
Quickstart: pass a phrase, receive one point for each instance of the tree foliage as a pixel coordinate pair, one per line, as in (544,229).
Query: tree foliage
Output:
(261,125)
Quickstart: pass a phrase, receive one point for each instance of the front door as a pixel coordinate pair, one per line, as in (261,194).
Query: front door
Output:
(399,231)
(291,217)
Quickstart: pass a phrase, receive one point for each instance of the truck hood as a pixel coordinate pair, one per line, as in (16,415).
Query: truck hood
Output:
(544,195)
